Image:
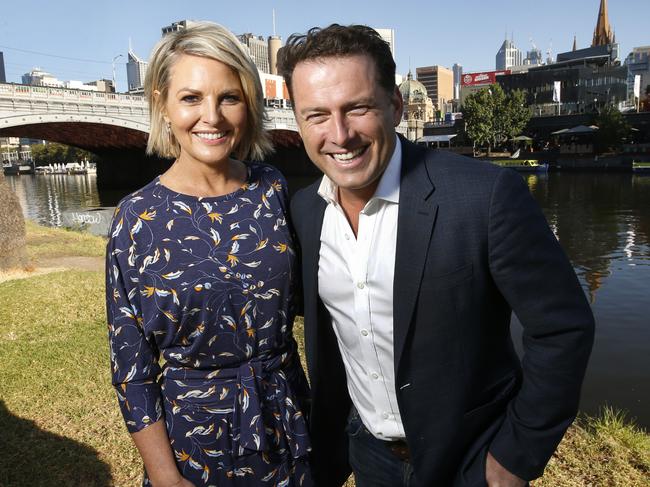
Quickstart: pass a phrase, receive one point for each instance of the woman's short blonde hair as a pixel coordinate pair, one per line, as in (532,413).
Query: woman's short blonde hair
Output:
(210,40)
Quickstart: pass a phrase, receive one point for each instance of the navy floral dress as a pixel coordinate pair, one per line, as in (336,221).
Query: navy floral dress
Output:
(199,303)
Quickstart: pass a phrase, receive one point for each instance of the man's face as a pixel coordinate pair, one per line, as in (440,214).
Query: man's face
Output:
(346,120)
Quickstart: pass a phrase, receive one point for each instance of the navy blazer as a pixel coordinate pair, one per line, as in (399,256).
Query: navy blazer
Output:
(472,246)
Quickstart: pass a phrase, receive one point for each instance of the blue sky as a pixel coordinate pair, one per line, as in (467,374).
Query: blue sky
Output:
(468,32)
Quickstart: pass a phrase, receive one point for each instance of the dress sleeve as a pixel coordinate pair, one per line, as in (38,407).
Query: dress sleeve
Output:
(133,354)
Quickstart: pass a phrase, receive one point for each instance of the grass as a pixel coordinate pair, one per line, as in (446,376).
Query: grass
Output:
(60,423)
(603,451)
(49,243)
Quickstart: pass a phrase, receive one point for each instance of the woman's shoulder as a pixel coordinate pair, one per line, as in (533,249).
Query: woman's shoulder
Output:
(132,206)
(140,197)
(266,175)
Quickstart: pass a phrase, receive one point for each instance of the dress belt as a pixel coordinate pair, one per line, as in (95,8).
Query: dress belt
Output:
(249,430)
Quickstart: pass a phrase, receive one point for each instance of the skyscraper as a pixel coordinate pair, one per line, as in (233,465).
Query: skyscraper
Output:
(3,78)
(508,56)
(638,63)
(176,26)
(258,48)
(439,82)
(458,75)
(136,69)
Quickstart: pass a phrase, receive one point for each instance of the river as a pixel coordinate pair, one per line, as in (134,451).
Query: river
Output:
(602,220)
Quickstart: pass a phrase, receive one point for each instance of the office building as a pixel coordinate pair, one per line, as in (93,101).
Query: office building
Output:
(38,77)
(389,36)
(458,75)
(103,85)
(439,83)
(176,26)
(258,48)
(508,56)
(638,64)
(534,57)
(136,70)
(3,76)
(589,78)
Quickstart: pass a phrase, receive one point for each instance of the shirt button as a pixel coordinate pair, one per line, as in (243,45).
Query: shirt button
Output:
(385,415)
(347,236)
(360,285)
(374,375)
(364,333)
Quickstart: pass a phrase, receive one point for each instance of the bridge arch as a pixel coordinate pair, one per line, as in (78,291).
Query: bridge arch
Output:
(94,133)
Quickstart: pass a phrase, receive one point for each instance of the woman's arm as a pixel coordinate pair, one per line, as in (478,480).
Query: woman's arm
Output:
(156,452)
(134,358)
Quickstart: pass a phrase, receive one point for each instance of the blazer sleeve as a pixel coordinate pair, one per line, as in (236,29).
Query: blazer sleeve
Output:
(534,275)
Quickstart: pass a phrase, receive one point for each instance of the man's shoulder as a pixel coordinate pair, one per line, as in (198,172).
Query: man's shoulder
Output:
(304,198)
(442,161)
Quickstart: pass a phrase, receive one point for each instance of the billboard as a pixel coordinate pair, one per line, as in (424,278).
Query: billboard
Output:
(483,78)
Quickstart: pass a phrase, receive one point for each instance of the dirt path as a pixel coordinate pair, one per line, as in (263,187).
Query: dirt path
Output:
(55,264)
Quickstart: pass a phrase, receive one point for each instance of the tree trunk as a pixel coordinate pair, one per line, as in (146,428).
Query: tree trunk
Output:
(12,229)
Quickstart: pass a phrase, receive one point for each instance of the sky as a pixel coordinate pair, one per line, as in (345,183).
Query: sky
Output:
(76,40)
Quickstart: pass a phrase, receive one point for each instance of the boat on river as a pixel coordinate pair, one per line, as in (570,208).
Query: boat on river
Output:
(14,169)
(524,165)
(643,167)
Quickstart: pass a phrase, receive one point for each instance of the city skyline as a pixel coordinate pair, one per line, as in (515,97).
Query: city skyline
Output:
(72,42)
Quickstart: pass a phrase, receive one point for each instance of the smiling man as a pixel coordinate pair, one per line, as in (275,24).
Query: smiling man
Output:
(412,262)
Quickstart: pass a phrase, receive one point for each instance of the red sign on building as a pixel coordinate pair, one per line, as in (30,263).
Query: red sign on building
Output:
(484,78)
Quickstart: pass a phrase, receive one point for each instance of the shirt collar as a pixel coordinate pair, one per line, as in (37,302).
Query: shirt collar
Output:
(388,188)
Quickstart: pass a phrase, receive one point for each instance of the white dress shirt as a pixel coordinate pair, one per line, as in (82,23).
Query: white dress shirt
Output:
(355,282)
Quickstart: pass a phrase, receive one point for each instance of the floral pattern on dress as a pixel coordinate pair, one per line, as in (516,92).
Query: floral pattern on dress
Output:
(200,314)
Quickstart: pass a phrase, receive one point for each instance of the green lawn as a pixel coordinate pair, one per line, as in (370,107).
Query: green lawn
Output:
(59,420)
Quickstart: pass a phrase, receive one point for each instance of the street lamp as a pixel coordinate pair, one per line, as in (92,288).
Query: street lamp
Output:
(113,63)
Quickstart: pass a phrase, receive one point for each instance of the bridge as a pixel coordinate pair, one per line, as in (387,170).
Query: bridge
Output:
(112,125)
(88,119)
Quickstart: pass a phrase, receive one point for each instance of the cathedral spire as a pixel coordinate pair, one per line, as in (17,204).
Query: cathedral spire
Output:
(603,31)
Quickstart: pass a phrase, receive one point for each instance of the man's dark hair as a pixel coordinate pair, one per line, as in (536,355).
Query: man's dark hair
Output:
(338,41)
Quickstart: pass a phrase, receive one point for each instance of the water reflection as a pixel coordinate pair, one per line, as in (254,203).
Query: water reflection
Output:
(602,221)
(45,197)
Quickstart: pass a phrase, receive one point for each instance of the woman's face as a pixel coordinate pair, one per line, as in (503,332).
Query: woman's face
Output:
(206,109)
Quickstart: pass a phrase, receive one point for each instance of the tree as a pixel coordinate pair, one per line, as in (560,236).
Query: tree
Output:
(613,129)
(478,112)
(493,116)
(54,153)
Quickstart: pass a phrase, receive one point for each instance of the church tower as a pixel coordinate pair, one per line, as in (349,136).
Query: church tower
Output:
(603,33)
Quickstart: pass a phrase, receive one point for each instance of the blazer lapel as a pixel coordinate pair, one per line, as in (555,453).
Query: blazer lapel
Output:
(310,251)
(416,217)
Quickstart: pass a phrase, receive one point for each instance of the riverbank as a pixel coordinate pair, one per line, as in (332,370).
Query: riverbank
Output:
(59,418)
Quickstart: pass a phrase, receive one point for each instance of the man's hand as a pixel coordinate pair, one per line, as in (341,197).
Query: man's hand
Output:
(497,476)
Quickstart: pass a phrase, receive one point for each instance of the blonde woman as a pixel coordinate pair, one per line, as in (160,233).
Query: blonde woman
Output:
(200,268)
